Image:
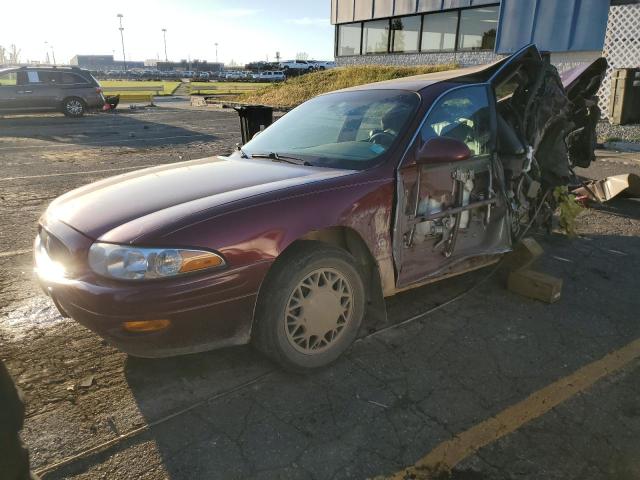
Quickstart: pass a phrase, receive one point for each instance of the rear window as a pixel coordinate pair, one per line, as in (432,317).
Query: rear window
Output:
(8,78)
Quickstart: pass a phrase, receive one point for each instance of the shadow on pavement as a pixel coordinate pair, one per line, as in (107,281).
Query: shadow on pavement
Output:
(394,397)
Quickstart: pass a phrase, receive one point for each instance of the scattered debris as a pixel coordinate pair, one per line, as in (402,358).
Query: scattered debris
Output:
(529,283)
(569,207)
(604,190)
(381,405)
(87,381)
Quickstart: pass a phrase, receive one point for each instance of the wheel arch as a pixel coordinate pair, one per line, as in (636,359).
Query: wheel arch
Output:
(349,240)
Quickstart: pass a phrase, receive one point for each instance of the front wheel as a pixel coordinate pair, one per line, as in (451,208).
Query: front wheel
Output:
(73,107)
(310,308)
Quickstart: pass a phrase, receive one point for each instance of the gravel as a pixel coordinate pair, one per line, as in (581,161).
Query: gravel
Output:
(625,133)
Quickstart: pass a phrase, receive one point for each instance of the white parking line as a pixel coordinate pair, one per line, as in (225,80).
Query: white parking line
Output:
(102,142)
(15,253)
(76,173)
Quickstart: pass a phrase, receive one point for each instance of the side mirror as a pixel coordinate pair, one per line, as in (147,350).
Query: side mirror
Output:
(443,150)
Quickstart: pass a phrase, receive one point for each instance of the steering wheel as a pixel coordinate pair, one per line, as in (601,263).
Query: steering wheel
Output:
(382,138)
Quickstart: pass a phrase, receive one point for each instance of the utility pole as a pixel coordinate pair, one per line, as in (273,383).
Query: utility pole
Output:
(164,33)
(124,58)
(53,53)
(216,44)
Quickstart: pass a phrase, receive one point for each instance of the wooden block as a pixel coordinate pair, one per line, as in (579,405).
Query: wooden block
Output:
(536,285)
(524,254)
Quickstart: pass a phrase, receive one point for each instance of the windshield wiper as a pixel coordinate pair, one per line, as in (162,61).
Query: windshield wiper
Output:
(276,157)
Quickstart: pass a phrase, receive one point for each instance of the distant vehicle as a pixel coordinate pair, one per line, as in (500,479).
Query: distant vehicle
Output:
(187,74)
(233,75)
(322,65)
(297,65)
(270,76)
(69,90)
(201,75)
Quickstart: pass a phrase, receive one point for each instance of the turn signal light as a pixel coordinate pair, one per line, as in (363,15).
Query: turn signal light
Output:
(192,261)
(145,326)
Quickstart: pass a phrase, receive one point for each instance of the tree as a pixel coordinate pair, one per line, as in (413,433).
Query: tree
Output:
(302,56)
(14,55)
(3,55)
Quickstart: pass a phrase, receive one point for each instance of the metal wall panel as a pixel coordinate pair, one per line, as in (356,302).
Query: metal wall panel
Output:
(363,10)
(429,5)
(447,4)
(345,11)
(334,11)
(568,25)
(382,8)
(404,7)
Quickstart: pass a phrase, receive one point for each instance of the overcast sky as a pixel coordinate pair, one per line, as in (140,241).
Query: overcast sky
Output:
(245,30)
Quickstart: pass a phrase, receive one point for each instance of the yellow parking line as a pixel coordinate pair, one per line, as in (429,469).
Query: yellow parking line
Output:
(451,452)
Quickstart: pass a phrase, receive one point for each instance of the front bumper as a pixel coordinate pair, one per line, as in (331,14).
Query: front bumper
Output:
(205,311)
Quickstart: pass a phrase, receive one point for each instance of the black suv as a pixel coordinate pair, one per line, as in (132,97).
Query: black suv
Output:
(69,90)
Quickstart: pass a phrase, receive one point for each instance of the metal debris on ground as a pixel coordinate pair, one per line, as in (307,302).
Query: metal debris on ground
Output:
(604,190)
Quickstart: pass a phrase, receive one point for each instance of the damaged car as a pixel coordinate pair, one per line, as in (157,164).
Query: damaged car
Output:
(296,238)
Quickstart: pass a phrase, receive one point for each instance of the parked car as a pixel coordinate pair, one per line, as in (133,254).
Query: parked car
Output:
(70,90)
(303,65)
(351,197)
(322,65)
(270,76)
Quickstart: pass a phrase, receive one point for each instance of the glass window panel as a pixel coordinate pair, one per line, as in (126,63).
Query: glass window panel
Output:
(478,28)
(439,31)
(463,115)
(382,8)
(349,39)
(405,34)
(376,36)
(8,78)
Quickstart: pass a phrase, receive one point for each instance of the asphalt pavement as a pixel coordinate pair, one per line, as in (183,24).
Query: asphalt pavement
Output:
(509,388)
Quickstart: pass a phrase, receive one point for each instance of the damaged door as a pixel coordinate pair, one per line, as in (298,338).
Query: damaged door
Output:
(448,206)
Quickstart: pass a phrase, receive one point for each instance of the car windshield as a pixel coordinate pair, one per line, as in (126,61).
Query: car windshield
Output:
(340,130)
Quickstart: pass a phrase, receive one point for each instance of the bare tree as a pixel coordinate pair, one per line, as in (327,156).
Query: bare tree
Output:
(14,55)
(302,56)
(3,55)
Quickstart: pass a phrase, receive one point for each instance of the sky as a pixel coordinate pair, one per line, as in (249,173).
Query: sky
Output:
(245,30)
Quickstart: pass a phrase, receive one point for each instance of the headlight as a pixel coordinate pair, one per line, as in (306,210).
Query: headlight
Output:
(132,263)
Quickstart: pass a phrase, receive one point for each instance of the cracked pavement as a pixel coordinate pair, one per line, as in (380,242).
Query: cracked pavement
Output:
(387,403)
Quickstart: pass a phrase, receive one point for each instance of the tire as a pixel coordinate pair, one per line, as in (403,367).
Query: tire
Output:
(73,107)
(310,308)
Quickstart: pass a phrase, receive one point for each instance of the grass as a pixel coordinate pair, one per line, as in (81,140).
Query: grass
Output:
(168,86)
(220,88)
(297,90)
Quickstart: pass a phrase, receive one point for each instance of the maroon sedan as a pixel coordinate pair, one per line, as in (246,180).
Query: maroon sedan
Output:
(353,196)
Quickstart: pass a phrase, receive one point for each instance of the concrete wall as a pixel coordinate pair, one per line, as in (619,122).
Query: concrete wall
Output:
(409,59)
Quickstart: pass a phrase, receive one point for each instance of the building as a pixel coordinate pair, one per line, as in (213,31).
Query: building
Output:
(471,32)
(102,63)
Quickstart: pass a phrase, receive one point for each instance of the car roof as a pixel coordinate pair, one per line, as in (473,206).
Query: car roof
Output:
(415,83)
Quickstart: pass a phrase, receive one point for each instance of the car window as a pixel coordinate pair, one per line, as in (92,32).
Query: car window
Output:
(342,130)
(8,79)
(462,114)
(69,78)
(49,78)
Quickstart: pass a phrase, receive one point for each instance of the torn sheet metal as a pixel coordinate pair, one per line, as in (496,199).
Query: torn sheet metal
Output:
(610,187)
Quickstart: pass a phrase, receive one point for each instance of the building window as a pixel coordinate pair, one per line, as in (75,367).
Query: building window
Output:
(405,34)
(375,36)
(439,31)
(478,27)
(349,39)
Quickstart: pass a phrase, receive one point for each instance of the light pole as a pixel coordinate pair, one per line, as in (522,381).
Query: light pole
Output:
(216,44)
(124,58)
(53,53)
(164,33)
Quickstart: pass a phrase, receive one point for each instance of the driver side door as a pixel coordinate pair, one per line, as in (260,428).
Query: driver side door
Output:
(449,212)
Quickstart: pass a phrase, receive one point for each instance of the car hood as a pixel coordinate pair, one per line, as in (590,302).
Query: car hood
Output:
(179,189)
